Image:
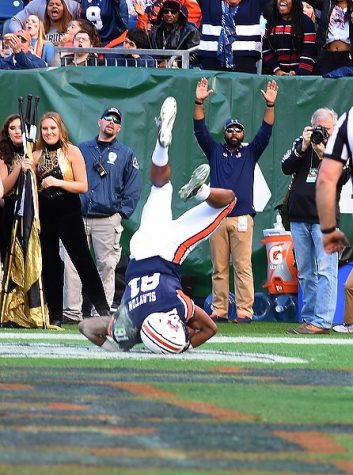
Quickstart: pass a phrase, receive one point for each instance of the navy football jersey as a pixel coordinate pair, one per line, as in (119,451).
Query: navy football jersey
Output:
(152,285)
(110,17)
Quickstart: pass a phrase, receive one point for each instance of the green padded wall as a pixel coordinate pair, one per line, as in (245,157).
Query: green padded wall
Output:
(81,94)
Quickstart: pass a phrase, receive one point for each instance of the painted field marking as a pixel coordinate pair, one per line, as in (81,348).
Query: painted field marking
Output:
(40,344)
(50,350)
(305,340)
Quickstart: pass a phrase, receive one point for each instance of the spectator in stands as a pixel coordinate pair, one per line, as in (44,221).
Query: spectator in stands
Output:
(310,11)
(82,39)
(194,12)
(133,13)
(231,34)
(173,30)
(135,39)
(80,24)
(62,177)
(40,46)
(56,20)
(147,15)
(21,57)
(334,38)
(5,46)
(110,17)
(38,7)
(289,41)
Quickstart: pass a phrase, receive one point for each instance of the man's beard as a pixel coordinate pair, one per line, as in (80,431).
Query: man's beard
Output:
(232,143)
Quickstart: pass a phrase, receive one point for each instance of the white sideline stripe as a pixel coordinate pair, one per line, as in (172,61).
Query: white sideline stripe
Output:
(304,340)
(50,350)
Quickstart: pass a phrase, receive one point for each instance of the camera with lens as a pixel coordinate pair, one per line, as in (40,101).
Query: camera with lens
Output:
(102,172)
(318,135)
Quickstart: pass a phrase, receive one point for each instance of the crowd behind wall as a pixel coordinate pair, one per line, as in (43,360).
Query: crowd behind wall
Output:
(292,38)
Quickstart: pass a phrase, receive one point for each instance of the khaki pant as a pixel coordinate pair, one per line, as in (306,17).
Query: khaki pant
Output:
(103,235)
(348,299)
(230,240)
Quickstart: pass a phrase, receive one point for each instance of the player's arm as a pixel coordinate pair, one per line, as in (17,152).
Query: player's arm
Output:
(203,326)
(98,331)
(326,189)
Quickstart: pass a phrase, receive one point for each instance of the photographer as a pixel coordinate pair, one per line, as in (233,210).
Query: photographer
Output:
(114,188)
(317,271)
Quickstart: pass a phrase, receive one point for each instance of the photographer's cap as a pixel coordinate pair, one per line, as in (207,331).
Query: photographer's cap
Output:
(112,110)
(231,122)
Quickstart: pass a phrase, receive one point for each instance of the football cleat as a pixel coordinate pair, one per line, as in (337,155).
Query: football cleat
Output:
(165,121)
(198,178)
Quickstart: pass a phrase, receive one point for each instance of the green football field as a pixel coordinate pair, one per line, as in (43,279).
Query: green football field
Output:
(254,400)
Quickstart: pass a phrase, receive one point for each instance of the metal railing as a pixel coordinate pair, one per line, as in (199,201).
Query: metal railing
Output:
(115,57)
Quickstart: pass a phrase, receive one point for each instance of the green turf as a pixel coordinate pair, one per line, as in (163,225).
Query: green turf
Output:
(314,398)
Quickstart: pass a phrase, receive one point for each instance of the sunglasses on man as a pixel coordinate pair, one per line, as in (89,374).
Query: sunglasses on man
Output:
(232,130)
(170,10)
(113,118)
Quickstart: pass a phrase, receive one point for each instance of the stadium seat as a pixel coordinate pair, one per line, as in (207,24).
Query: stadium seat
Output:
(9,8)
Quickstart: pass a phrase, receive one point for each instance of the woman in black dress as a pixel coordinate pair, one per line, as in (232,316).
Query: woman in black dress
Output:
(62,176)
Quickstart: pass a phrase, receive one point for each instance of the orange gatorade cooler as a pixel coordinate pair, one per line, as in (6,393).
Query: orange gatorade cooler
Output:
(281,269)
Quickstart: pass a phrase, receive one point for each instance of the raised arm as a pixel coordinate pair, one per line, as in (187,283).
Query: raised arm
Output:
(201,94)
(270,96)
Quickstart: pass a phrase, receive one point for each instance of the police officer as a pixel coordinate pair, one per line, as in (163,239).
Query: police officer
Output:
(114,188)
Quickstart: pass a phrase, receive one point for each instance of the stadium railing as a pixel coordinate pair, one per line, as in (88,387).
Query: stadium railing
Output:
(170,58)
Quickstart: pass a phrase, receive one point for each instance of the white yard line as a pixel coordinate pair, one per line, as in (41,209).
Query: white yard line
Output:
(38,344)
(304,340)
(53,350)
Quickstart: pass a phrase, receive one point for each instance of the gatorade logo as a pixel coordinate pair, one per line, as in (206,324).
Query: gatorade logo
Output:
(275,255)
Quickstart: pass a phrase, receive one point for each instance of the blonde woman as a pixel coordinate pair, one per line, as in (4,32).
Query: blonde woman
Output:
(61,174)
(40,46)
